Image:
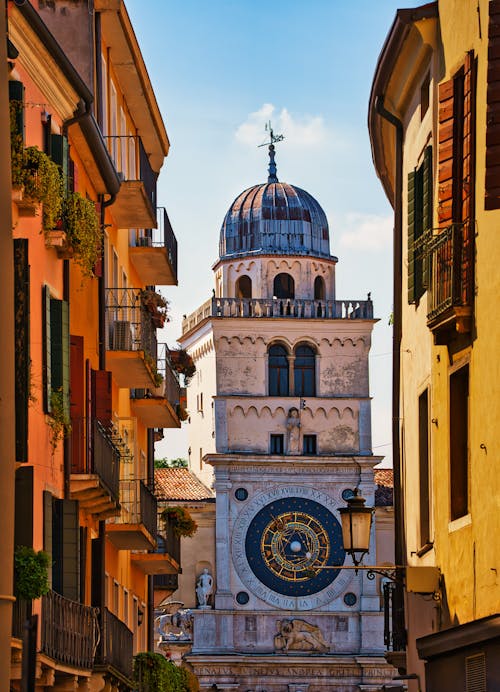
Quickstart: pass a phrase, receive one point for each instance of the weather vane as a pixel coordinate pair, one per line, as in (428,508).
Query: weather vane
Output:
(272,164)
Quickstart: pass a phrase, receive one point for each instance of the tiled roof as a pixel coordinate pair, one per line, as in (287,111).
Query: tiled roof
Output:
(384,491)
(180,484)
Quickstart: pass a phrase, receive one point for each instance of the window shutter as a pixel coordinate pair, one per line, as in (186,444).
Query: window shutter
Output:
(445,153)
(59,329)
(59,153)
(23,531)
(22,345)
(469,176)
(411,236)
(66,549)
(77,404)
(47,527)
(16,93)
(47,350)
(101,396)
(428,212)
(492,177)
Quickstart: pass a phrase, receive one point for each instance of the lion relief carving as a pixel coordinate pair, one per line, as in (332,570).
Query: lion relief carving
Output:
(298,635)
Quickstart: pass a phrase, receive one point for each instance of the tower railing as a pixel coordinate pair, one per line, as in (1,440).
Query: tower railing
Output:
(289,308)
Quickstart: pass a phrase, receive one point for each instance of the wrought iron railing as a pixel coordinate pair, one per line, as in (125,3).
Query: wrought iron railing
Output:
(138,505)
(450,254)
(132,162)
(116,646)
(162,237)
(21,611)
(129,326)
(94,450)
(70,631)
(280,307)
(394,630)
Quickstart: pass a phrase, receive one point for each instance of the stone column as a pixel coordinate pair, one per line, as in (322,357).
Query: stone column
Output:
(223,595)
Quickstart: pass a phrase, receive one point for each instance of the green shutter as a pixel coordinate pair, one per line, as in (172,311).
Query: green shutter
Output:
(66,549)
(59,153)
(47,527)
(428,213)
(16,94)
(59,329)
(22,345)
(47,349)
(23,522)
(411,236)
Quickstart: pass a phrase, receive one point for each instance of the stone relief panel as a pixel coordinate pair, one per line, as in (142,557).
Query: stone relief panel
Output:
(295,634)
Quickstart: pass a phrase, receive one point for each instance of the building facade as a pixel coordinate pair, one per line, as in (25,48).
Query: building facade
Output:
(92,383)
(433,119)
(280,426)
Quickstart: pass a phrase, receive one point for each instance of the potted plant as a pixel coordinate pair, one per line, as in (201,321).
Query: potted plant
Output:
(30,573)
(183,363)
(179,518)
(58,420)
(156,305)
(83,232)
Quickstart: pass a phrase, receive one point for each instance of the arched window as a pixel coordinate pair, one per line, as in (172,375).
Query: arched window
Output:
(319,288)
(284,286)
(244,287)
(304,373)
(278,371)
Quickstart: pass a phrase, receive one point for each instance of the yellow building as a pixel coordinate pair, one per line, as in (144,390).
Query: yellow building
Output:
(434,119)
(92,383)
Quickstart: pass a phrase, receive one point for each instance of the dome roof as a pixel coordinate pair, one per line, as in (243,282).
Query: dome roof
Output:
(276,218)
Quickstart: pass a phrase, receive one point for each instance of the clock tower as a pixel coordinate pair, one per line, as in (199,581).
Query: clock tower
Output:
(280,427)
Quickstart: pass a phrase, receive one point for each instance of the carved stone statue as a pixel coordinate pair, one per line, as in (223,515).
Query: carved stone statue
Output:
(204,588)
(175,626)
(293,429)
(298,635)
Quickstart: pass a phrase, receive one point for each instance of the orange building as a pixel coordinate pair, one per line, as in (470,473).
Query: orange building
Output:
(92,383)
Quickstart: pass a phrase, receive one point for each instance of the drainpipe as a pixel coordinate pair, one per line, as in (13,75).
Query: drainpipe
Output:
(399,533)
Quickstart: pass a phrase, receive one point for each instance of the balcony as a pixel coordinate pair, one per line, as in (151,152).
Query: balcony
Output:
(115,652)
(451,262)
(69,632)
(135,528)
(157,408)
(95,468)
(280,308)
(135,203)
(130,338)
(154,253)
(165,560)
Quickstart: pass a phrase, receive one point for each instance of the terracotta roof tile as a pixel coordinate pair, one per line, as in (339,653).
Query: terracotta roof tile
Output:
(180,484)
(384,491)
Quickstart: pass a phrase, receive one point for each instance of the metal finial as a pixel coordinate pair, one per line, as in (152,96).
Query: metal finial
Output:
(273,178)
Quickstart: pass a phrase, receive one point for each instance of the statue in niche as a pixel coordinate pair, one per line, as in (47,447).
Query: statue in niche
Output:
(298,635)
(293,430)
(204,588)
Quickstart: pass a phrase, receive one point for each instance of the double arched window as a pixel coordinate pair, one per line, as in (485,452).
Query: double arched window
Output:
(285,369)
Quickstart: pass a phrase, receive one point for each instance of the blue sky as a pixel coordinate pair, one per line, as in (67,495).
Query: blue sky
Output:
(220,70)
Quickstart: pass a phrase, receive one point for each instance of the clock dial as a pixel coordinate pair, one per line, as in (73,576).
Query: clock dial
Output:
(289,541)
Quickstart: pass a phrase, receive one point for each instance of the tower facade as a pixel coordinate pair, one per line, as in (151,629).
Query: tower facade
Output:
(280,424)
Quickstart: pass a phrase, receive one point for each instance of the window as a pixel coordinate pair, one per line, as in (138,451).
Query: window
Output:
(309,444)
(304,373)
(419,221)
(244,287)
(56,351)
(116,598)
(423,459)
(319,288)
(424,95)
(284,286)
(277,445)
(278,371)
(459,442)
(201,458)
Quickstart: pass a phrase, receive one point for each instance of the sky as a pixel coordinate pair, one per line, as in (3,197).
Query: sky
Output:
(220,70)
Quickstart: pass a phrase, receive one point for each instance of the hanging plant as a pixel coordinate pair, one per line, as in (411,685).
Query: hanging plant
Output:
(156,305)
(16,145)
(30,573)
(183,363)
(181,521)
(181,412)
(58,420)
(83,231)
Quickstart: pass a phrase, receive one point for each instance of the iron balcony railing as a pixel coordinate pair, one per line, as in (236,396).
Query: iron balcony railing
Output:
(116,646)
(170,387)
(132,162)
(93,450)
(162,237)
(138,505)
(129,326)
(280,307)
(70,631)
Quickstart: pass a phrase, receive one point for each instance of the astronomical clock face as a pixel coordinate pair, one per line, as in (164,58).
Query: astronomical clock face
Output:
(287,543)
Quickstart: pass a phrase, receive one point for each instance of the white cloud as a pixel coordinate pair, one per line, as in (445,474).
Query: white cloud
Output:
(366,232)
(299,131)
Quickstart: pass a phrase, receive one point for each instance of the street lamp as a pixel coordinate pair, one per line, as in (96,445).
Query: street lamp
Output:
(356,527)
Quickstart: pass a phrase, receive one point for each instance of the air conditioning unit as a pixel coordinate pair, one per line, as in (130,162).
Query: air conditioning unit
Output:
(122,336)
